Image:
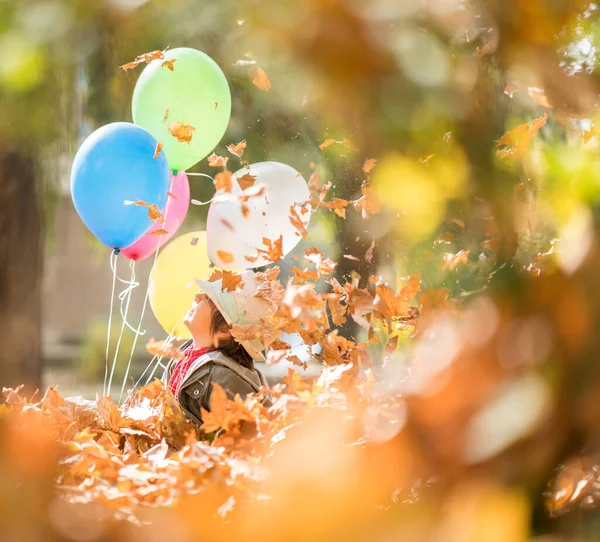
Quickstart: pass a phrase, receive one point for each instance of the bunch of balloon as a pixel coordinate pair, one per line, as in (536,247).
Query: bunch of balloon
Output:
(240,235)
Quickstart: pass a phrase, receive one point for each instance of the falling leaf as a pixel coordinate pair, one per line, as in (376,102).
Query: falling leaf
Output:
(517,140)
(158,232)
(369,165)
(171,195)
(146,57)
(169,64)
(246,181)
(237,150)
(538,96)
(159,147)
(275,356)
(450,260)
(166,115)
(272,252)
(587,135)
(350,257)
(348,144)
(164,349)
(427,158)
(458,222)
(259,78)
(369,253)
(155,215)
(510,90)
(225,257)
(231,281)
(367,204)
(223,181)
(297,222)
(326,143)
(183,132)
(215,160)
(445,238)
(303,275)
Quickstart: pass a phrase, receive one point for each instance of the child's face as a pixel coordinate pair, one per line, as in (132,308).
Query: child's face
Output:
(198,318)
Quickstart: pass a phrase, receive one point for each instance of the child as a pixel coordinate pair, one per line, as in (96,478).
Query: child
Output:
(213,354)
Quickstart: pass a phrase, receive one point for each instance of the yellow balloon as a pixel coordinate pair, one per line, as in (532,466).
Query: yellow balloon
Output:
(172,284)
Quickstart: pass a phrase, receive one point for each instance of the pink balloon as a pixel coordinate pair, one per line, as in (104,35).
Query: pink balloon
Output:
(174,213)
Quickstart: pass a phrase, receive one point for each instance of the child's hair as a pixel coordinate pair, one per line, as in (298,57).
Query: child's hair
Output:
(230,347)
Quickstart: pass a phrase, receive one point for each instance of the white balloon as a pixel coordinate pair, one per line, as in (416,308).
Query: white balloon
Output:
(229,231)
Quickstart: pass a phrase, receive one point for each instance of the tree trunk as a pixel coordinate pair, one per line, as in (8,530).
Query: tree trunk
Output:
(20,272)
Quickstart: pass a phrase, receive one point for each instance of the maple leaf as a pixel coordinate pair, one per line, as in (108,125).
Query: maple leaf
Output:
(163,349)
(278,344)
(297,222)
(246,181)
(303,275)
(237,149)
(231,281)
(368,204)
(223,181)
(145,57)
(158,232)
(450,260)
(294,381)
(225,257)
(518,139)
(337,310)
(183,132)
(219,415)
(369,165)
(169,64)
(275,356)
(326,143)
(259,78)
(159,147)
(155,215)
(215,160)
(510,90)
(538,96)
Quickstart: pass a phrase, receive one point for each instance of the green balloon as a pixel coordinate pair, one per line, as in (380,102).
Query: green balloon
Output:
(195,93)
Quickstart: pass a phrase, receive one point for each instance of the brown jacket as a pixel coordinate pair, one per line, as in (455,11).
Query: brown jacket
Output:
(212,367)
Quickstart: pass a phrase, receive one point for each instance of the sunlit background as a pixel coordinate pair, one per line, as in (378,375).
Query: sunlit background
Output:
(481,119)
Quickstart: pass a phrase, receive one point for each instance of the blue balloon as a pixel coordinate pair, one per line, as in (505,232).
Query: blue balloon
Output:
(114,165)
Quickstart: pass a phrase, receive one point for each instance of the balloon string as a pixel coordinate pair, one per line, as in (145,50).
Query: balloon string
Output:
(138,332)
(200,175)
(125,298)
(196,202)
(158,362)
(113,256)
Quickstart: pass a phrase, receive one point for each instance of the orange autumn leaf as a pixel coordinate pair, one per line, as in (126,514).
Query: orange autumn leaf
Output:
(166,115)
(367,204)
(302,274)
(154,214)
(369,165)
(183,132)
(237,149)
(450,261)
(297,222)
(326,143)
(538,96)
(324,265)
(227,224)
(169,64)
(164,349)
(230,281)
(158,232)
(223,181)
(246,181)
(159,147)
(146,57)
(369,253)
(517,140)
(259,78)
(587,135)
(215,160)
(481,51)
(225,257)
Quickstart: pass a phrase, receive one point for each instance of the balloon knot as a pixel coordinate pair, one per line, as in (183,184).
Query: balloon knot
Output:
(117,251)
(175,173)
